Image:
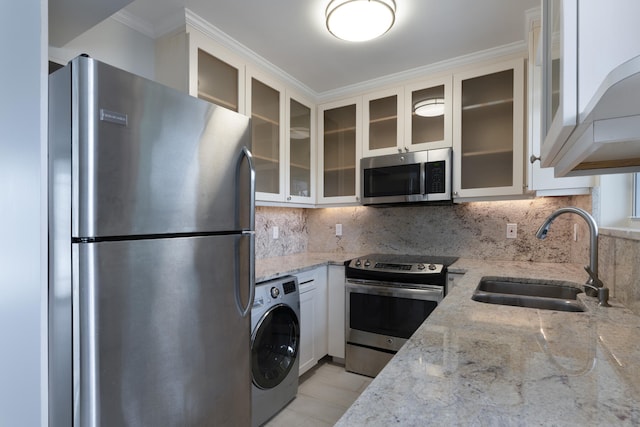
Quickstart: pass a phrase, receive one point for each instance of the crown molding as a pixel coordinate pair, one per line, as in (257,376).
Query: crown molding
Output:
(424,71)
(532,18)
(133,22)
(169,24)
(238,48)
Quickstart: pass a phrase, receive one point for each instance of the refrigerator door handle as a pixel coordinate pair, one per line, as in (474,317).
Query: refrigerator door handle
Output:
(246,311)
(252,175)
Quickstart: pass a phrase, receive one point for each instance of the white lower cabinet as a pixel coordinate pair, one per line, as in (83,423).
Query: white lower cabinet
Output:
(336,311)
(307,326)
(313,317)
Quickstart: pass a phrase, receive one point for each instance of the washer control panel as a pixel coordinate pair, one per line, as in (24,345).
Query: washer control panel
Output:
(266,292)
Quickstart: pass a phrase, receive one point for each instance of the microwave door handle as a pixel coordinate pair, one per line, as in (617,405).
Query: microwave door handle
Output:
(423,178)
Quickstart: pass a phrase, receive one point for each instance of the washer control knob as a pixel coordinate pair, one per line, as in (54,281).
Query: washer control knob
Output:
(275,292)
(432,267)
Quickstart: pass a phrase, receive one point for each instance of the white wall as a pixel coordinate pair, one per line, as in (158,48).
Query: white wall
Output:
(114,43)
(23,43)
(616,197)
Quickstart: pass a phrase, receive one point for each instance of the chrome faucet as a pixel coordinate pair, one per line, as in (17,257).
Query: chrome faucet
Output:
(594,282)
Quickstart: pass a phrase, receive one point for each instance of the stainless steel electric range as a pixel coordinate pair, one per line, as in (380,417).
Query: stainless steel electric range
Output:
(387,299)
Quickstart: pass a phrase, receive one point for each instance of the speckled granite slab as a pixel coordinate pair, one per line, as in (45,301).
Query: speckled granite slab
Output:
(270,268)
(473,363)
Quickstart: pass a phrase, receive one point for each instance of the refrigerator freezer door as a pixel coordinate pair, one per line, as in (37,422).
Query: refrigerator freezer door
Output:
(151,160)
(161,337)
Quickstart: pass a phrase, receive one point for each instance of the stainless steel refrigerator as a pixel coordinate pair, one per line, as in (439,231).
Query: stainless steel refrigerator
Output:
(151,253)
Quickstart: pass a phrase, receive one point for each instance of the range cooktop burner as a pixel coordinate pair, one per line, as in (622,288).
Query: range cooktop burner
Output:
(411,259)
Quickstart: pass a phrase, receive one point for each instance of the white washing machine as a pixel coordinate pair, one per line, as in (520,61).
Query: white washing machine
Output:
(275,341)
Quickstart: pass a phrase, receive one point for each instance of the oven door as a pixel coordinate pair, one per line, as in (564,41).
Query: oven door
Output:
(384,315)
(380,318)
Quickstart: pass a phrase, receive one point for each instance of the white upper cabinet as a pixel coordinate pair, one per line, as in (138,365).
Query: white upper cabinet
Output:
(410,118)
(542,180)
(191,62)
(283,122)
(300,154)
(488,131)
(339,151)
(382,132)
(428,111)
(591,84)
(266,105)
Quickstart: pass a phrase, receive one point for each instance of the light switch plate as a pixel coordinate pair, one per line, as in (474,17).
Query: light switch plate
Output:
(338,229)
(512,231)
(275,232)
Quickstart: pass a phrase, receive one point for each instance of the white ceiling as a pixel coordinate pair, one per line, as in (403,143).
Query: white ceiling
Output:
(291,34)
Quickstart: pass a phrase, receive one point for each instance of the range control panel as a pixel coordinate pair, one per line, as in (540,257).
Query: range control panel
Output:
(369,264)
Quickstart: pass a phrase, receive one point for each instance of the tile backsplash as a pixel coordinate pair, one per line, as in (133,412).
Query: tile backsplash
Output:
(293,235)
(473,230)
(620,267)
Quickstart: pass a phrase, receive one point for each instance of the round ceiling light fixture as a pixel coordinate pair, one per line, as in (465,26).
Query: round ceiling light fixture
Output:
(432,107)
(360,20)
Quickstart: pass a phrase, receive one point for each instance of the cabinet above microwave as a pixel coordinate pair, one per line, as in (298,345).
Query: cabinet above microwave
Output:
(591,87)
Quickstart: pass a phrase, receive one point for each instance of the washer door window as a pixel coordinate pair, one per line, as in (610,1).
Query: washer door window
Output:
(274,346)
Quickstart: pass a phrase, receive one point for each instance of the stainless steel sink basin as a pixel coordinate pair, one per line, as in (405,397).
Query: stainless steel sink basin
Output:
(544,294)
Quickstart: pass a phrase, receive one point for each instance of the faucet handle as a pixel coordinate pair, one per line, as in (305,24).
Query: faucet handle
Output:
(598,287)
(602,294)
(595,280)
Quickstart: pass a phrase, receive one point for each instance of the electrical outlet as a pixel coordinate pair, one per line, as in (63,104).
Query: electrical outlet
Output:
(275,232)
(512,231)
(338,229)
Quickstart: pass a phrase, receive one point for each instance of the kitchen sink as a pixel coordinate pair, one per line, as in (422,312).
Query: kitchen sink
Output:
(532,293)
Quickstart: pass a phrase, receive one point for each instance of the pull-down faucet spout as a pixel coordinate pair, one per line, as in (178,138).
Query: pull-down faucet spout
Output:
(593,242)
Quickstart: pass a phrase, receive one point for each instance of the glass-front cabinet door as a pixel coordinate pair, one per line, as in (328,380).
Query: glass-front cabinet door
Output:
(300,155)
(191,62)
(267,110)
(383,130)
(339,151)
(489,130)
(428,106)
(217,81)
(559,75)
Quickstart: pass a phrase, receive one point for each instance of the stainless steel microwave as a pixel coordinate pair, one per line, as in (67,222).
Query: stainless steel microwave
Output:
(421,176)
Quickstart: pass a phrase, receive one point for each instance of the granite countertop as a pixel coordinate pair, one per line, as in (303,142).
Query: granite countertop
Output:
(271,268)
(472,363)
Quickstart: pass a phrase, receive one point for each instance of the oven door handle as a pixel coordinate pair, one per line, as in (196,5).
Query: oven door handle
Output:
(425,292)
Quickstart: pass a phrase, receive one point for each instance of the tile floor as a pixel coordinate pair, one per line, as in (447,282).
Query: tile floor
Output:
(324,394)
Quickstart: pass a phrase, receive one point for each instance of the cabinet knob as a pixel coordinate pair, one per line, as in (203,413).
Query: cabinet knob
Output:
(399,150)
(406,149)
(533,158)
(289,198)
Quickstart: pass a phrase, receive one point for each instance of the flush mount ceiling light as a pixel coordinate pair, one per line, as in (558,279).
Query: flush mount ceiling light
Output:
(360,20)
(433,107)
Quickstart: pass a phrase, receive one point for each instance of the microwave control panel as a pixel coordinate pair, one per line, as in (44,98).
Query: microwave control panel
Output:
(436,177)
